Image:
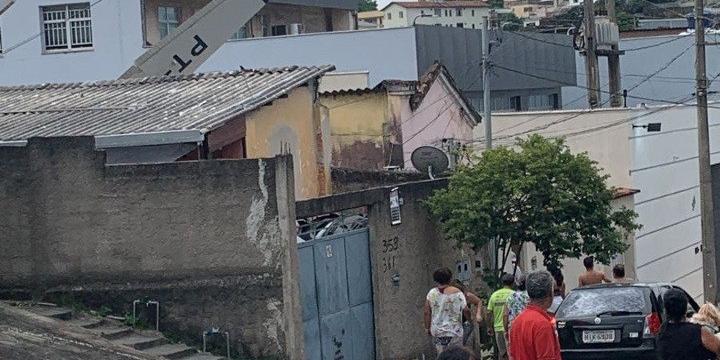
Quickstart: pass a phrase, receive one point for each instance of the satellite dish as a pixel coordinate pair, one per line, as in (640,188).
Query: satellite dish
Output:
(430,160)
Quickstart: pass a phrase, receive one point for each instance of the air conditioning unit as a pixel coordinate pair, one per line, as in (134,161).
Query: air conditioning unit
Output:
(296,29)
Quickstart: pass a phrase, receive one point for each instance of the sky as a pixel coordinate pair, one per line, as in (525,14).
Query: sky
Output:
(382,3)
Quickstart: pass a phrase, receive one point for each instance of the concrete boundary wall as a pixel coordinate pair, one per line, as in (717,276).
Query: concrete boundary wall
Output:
(401,275)
(213,241)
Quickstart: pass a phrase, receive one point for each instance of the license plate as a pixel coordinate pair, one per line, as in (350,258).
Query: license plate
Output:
(598,336)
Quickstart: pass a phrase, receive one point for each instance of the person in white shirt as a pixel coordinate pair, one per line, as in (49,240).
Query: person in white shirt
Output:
(444,309)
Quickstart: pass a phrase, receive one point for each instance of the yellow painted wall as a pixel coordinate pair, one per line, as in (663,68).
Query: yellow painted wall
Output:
(292,123)
(357,126)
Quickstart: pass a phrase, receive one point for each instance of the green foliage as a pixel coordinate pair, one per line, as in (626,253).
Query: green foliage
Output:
(510,22)
(539,193)
(626,22)
(496,4)
(367,5)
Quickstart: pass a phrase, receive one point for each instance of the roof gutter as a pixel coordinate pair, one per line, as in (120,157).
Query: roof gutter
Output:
(132,140)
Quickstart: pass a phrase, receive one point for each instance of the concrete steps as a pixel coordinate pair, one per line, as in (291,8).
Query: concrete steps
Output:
(202,356)
(141,342)
(87,323)
(112,331)
(54,312)
(171,351)
(146,341)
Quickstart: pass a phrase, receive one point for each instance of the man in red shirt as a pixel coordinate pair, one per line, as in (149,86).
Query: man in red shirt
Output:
(533,335)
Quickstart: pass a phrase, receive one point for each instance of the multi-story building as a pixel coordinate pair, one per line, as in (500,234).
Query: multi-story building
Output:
(81,42)
(76,40)
(462,14)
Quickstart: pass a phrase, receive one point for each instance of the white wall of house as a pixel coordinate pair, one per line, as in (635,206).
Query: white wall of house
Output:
(398,16)
(117,31)
(384,53)
(117,41)
(662,165)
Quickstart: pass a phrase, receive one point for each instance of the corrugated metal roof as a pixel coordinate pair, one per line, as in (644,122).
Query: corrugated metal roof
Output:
(200,102)
(434,4)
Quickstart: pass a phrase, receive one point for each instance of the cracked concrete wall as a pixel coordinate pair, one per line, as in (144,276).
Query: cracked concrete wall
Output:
(176,232)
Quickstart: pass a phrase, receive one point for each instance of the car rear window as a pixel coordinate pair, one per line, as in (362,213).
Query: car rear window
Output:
(591,302)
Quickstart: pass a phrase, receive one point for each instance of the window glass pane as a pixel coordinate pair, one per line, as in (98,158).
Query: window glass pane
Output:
(171,15)
(67,26)
(162,14)
(591,302)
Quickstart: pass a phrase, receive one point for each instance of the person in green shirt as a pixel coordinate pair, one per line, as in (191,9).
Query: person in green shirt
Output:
(496,306)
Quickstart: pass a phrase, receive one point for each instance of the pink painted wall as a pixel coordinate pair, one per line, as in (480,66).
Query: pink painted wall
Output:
(439,117)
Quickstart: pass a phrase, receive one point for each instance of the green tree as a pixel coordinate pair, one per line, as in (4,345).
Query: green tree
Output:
(367,5)
(510,21)
(538,192)
(626,22)
(496,4)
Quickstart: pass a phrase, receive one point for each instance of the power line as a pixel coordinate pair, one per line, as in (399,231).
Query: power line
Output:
(35,36)
(662,68)
(678,37)
(440,113)
(682,101)
(583,87)
(539,40)
(545,126)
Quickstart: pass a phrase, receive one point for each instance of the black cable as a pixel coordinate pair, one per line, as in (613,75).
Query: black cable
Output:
(584,87)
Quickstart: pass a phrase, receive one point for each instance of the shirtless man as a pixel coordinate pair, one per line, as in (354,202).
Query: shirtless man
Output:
(590,276)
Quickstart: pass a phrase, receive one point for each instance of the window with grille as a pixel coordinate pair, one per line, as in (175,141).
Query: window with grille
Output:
(438,12)
(168,19)
(458,12)
(67,27)
(401,15)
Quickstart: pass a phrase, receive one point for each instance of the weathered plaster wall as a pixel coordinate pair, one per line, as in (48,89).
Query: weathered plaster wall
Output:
(439,117)
(357,124)
(349,180)
(398,306)
(209,239)
(292,125)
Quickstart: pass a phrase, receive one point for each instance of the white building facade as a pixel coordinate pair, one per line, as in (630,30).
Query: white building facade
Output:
(462,14)
(73,40)
(662,165)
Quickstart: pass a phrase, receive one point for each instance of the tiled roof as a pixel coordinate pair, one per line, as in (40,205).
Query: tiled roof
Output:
(200,102)
(623,191)
(436,4)
(426,81)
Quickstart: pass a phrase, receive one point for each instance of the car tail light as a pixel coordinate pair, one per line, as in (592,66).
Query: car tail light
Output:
(652,325)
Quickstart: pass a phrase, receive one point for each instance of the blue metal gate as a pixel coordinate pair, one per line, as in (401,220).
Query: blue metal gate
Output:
(336,290)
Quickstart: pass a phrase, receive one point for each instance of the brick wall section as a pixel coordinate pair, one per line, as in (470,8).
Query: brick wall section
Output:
(177,232)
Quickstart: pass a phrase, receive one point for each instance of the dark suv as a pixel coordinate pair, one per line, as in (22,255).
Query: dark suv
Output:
(613,321)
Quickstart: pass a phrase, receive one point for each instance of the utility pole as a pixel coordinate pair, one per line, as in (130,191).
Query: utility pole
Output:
(706,200)
(591,61)
(616,96)
(486,83)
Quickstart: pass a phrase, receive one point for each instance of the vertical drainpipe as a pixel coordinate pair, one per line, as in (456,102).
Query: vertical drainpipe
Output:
(205,149)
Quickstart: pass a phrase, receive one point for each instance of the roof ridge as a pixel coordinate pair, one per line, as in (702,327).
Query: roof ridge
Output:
(161,78)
